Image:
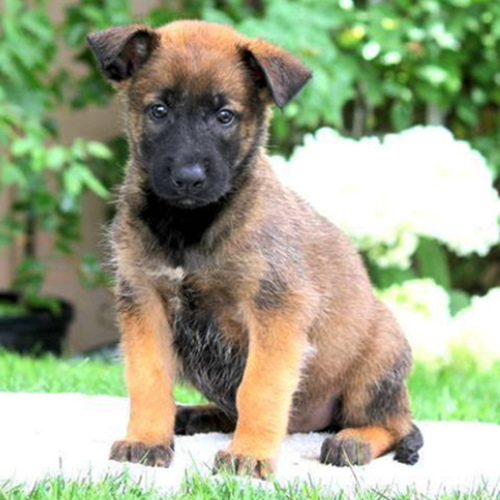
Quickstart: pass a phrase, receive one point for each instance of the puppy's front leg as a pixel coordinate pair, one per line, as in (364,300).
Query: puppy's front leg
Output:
(264,398)
(149,366)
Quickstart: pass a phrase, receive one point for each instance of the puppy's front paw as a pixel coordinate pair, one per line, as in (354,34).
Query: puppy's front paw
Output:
(138,453)
(345,451)
(241,465)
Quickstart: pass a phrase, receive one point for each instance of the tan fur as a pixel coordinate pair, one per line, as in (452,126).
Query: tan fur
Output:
(263,408)
(380,440)
(149,366)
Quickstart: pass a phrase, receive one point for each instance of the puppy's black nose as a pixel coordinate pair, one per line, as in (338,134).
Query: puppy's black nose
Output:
(189,178)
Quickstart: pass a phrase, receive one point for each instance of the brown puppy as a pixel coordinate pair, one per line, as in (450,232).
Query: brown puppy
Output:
(227,278)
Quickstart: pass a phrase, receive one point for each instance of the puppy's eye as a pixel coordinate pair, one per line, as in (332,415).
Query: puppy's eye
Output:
(158,111)
(225,116)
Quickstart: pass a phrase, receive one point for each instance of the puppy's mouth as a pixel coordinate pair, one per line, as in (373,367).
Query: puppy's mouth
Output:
(186,202)
(186,199)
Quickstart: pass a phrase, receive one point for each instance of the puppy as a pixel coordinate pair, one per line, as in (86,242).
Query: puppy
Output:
(228,279)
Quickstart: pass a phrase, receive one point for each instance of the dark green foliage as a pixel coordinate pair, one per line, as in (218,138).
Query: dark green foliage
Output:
(379,66)
(46,180)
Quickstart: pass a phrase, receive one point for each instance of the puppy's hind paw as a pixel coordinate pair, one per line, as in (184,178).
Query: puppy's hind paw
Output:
(407,449)
(343,452)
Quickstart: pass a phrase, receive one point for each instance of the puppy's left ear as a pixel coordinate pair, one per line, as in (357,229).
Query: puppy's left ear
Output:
(122,50)
(275,69)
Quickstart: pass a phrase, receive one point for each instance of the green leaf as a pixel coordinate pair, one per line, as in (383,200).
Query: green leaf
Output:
(78,149)
(384,277)
(435,75)
(91,181)
(99,150)
(56,157)
(72,181)
(432,262)
(459,300)
(23,146)
(12,174)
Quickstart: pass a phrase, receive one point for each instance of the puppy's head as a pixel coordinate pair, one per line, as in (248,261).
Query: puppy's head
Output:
(196,96)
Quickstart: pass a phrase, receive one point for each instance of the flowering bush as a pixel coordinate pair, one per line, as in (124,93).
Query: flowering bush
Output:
(47,181)
(423,310)
(386,194)
(477,328)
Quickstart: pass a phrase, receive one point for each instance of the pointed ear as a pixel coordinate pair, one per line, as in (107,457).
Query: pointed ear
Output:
(121,51)
(275,69)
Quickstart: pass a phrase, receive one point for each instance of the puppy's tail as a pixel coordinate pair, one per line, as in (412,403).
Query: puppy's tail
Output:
(407,449)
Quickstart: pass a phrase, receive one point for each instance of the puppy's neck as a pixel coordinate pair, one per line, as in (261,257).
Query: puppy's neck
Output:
(179,232)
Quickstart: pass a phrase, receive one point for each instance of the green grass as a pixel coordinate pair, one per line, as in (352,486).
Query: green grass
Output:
(198,488)
(458,390)
(50,374)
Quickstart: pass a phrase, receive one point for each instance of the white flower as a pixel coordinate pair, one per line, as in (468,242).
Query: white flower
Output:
(477,328)
(386,194)
(423,311)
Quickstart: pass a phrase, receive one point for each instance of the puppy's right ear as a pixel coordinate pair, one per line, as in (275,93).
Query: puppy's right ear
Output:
(121,51)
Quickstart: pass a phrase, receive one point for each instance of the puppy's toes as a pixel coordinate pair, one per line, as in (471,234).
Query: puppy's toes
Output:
(240,465)
(407,449)
(345,451)
(138,453)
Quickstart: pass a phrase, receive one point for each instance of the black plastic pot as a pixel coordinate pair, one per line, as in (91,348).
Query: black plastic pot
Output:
(40,331)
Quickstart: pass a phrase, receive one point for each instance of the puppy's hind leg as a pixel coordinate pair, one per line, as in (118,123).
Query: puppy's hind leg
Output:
(356,446)
(376,417)
(202,419)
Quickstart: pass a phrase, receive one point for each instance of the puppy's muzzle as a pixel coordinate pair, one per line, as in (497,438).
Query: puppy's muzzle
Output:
(188,179)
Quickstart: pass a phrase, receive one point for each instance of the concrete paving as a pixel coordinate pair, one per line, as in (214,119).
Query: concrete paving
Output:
(44,435)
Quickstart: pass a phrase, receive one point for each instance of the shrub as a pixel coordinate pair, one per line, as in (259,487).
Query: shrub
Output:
(378,66)
(391,194)
(46,180)
(423,309)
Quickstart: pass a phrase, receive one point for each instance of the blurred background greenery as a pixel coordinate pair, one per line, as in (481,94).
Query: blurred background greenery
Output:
(379,66)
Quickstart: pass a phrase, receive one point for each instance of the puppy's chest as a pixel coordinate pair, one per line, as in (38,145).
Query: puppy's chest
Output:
(209,340)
